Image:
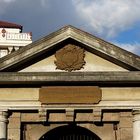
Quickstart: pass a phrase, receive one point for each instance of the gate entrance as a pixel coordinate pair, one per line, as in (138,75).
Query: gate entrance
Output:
(69,132)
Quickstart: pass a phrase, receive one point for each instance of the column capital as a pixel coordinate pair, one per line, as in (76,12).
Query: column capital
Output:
(3,116)
(136,115)
(136,111)
(3,113)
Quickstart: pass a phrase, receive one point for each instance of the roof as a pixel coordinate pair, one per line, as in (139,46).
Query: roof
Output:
(34,51)
(5,24)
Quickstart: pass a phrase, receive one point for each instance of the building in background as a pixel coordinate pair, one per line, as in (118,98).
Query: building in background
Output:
(12,38)
(70,85)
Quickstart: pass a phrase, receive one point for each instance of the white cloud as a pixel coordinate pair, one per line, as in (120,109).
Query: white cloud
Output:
(134,48)
(108,17)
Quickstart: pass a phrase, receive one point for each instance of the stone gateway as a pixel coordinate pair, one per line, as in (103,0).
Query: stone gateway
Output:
(70,85)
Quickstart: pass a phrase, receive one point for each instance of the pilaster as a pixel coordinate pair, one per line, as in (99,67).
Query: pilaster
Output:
(3,125)
(14,126)
(136,124)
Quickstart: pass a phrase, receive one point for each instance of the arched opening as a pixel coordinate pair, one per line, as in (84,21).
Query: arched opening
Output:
(70,132)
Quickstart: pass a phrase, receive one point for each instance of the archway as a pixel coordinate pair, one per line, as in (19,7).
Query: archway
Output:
(70,132)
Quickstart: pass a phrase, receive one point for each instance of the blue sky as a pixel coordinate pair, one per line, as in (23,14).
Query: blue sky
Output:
(117,21)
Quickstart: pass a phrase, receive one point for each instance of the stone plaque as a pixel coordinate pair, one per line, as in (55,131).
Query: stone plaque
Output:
(70,95)
(70,58)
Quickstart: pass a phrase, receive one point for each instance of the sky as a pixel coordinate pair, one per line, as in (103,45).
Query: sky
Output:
(116,21)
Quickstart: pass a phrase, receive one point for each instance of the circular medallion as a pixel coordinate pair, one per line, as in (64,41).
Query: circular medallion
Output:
(70,58)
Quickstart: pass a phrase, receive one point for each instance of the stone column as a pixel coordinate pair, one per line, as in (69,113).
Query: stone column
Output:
(3,125)
(136,125)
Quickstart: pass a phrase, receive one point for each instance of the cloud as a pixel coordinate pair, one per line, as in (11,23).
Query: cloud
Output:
(108,17)
(133,47)
(41,16)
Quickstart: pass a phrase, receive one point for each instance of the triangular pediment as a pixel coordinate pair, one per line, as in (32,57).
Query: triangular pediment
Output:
(91,54)
(91,62)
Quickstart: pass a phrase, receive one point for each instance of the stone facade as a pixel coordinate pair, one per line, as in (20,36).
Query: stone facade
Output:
(99,101)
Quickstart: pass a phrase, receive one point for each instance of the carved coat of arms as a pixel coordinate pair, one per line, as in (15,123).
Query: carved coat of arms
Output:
(70,58)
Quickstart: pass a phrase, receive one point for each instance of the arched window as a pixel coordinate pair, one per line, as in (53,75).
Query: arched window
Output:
(70,132)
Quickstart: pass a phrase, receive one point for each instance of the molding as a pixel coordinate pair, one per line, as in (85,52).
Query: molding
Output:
(94,78)
(136,115)
(136,112)
(121,105)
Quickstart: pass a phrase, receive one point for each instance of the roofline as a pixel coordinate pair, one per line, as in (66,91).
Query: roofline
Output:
(5,24)
(93,78)
(109,51)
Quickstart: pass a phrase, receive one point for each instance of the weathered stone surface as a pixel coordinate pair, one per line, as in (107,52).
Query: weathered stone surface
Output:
(101,64)
(125,125)
(121,94)
(127,78)
(69,95)
(19,94)
(126,134)
(14,134)
(120,90)
(14,126)
(30,117)
(70,58)
(110,116)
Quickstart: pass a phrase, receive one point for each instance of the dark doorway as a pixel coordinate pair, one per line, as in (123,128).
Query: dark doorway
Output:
(70,132)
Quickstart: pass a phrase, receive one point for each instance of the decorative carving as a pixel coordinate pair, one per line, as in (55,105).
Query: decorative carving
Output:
(3,32)
(70,58)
